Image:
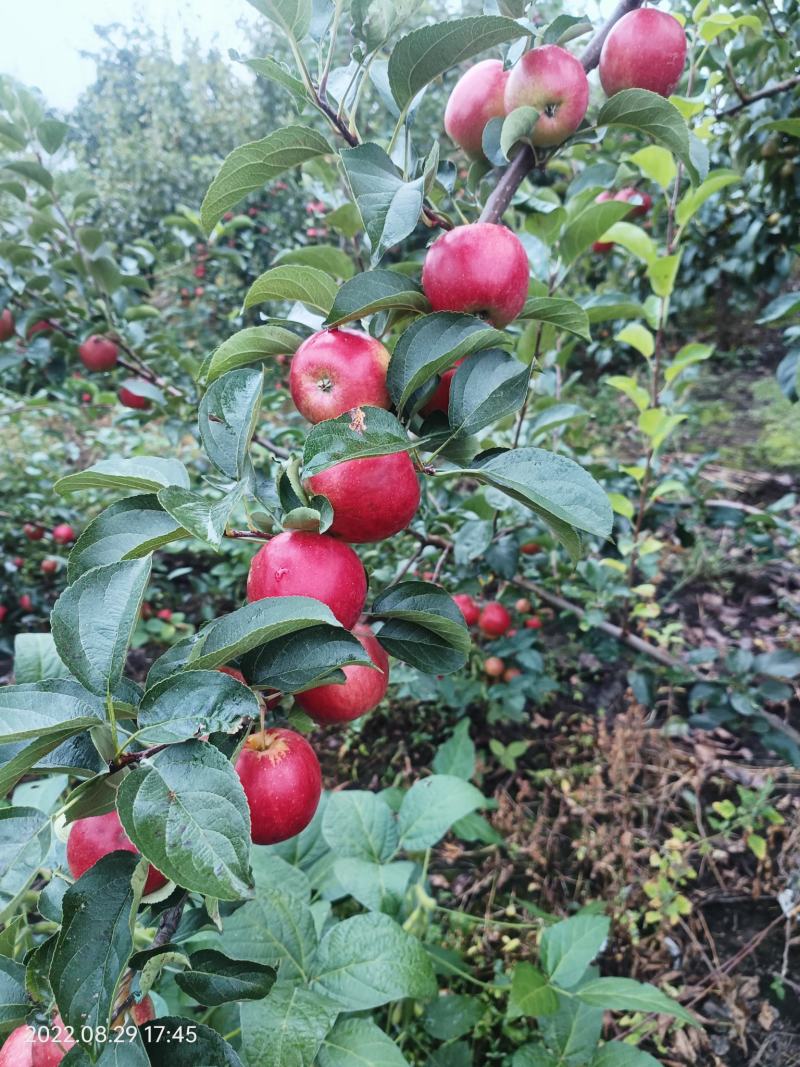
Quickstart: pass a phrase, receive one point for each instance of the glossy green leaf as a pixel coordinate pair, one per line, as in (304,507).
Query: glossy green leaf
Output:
(588,226)
(330,260)
(371,291)
(486,387)
(36,658)
(423,627)
(430,808)
(354,435)
(252,345)
(127,530)
(191,703)
(14,1003)
(293,282)
(167,1044)
(24,845)
(215,978)
(651,114)
(568,947)
(389,206)
(205,519)
(305,659)
(227,419)
(559,312)
(140,473)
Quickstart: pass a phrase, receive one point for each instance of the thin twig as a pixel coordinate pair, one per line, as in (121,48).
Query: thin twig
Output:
(760,94)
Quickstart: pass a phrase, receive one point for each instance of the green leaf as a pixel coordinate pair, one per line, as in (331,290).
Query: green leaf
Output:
(292,282)
(217,979)
(277,929)
(252,345)
(35,658)
(228,417)
(24,845)
(93,621)
(34,172)
(191,703)
(723,21)
(140,473)
(638,337)
(637,393)
(559,312)
(167,1045)
(782,307)
(425,627)
(276,72)
(424,54)
(305,659)
(662,273)
(565,28)
(14,1003)
(293,17)
(634,239)
(253,165)
(373,432)
(517,126)
(360,824)
(451,1016)
(359,1043)
(486,387)
(115,1054)
(431,345)
(791,127)
(625,994)
(186,812)
(588,226)
(531,995)
(618,1054)
(568,947)
(657,164)
(205,519)
(369,960)
(430,808)
(687,357)
(375,290)
(389,206)
(94,943)
(651,114)
(129,529)
(332,261)
(286,1029)
(457,754)
(602,307)
(573,1033)
(51,133)
(377,886)
(691,203)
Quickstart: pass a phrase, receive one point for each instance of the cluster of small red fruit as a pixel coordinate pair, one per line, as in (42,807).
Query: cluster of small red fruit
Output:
(494,620)
(62,534)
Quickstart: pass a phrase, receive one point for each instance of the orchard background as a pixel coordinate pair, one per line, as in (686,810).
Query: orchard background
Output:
(522,340)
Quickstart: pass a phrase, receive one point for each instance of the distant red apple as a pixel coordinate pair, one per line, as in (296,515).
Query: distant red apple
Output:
(523,605)
(6,325)
(25,602)
(334,371)
(227,216)
(49,566)
(200,271)
(164,614)
(646,49)
(94,837)
(297,563)
(98,353)
(33,531)
(42,326)
(530,548)
(552,81)
(468,608)
(510,673)
(494,620)
(642,202)
(199,291)
(63,534)
(362,690)
(282,781)
(373,497)
(3,612)
(476,98)
(493,666)
(479,269)
(132,400)
(534,623)
(18,561)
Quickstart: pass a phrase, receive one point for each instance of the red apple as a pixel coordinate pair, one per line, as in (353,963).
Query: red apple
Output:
(132,400)
(362,690)
(19,561)
(476,98)
(372,498)
(523,605)
(493,666)
(94,837)
(468,608)
(17,1050)
(143,1012)
(49,566)
(200,272)
(33,531)
(42,326)
(479,269)
(25,602)
(50,1051)
(603,246)
(164,614)
(553,81)
(63,534)
(510,673)
(336,370)
(646,49)
(530,548)
(642,201)
(494,620)
(297,563)
(282,781)
(98,353)
(440,401)
(3,612)
(6,328)
(534,623)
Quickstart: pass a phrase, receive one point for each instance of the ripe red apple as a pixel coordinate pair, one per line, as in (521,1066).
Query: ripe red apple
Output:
(6,325)
(493,666)
(523,605)
(19,561)
(336,370)
(646,49)
(494,620)
(164,614)
(534,623)
(200,272)
(603,246)
(530,548)
(468,608)
(479,269)
(25,602)
(372,498)
(98,353)
(553,81)
(133,400)
(642,202)
(199,290)
(17,1050)
(511,673)
(50,1051)
(440,401)
(42,326)
(49,566)
(282,781)
(476,98)
(362,690)
(33,531)
(297,563)
(3,612)
(63,534)
(94,837)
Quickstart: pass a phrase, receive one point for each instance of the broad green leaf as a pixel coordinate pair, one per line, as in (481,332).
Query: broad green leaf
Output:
(252,345)
(424,54)
(227,419)
(423,627)
(94,618)
(360,824)
(637,393)
(791,127)
(634,239)
(14,1002)
(24,845)
(619,1054)
(62,747)
(275,71)
(294,282)
(127,530)
(656,163)
(451,1016)
(602,307)
(559,312)
(722,21)
(389,206)
(252,166)
(115,1054)
(782,307)
(369,960)
(305,659)
(588,226)
(205,519)
(687,357)
(167,1045)
(286,1029)
(658,425)
(191,703)
(651,114)
(486,387)
(34,172)
(359,1043)
(430,808)
(215,978)
(371,291)
(432,344)
(185,810)
(626,994)
(457,754)
(332,261)
(95,941)
(367,432)
(572,1033)
(293,17)
(565,28)
(692,201)
(518,125)
(376,886)
(638,337)
(531,995)
(662,273)
(554,415)
(51,133)
(276,929)
(568,947)
(35,659)
(140,473)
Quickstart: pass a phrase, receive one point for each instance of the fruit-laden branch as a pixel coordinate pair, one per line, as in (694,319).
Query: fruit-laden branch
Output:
(525,160)
(750,98)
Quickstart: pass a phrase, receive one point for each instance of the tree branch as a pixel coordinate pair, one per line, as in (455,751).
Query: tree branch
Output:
(168,923)
(525,160)
(750,98)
